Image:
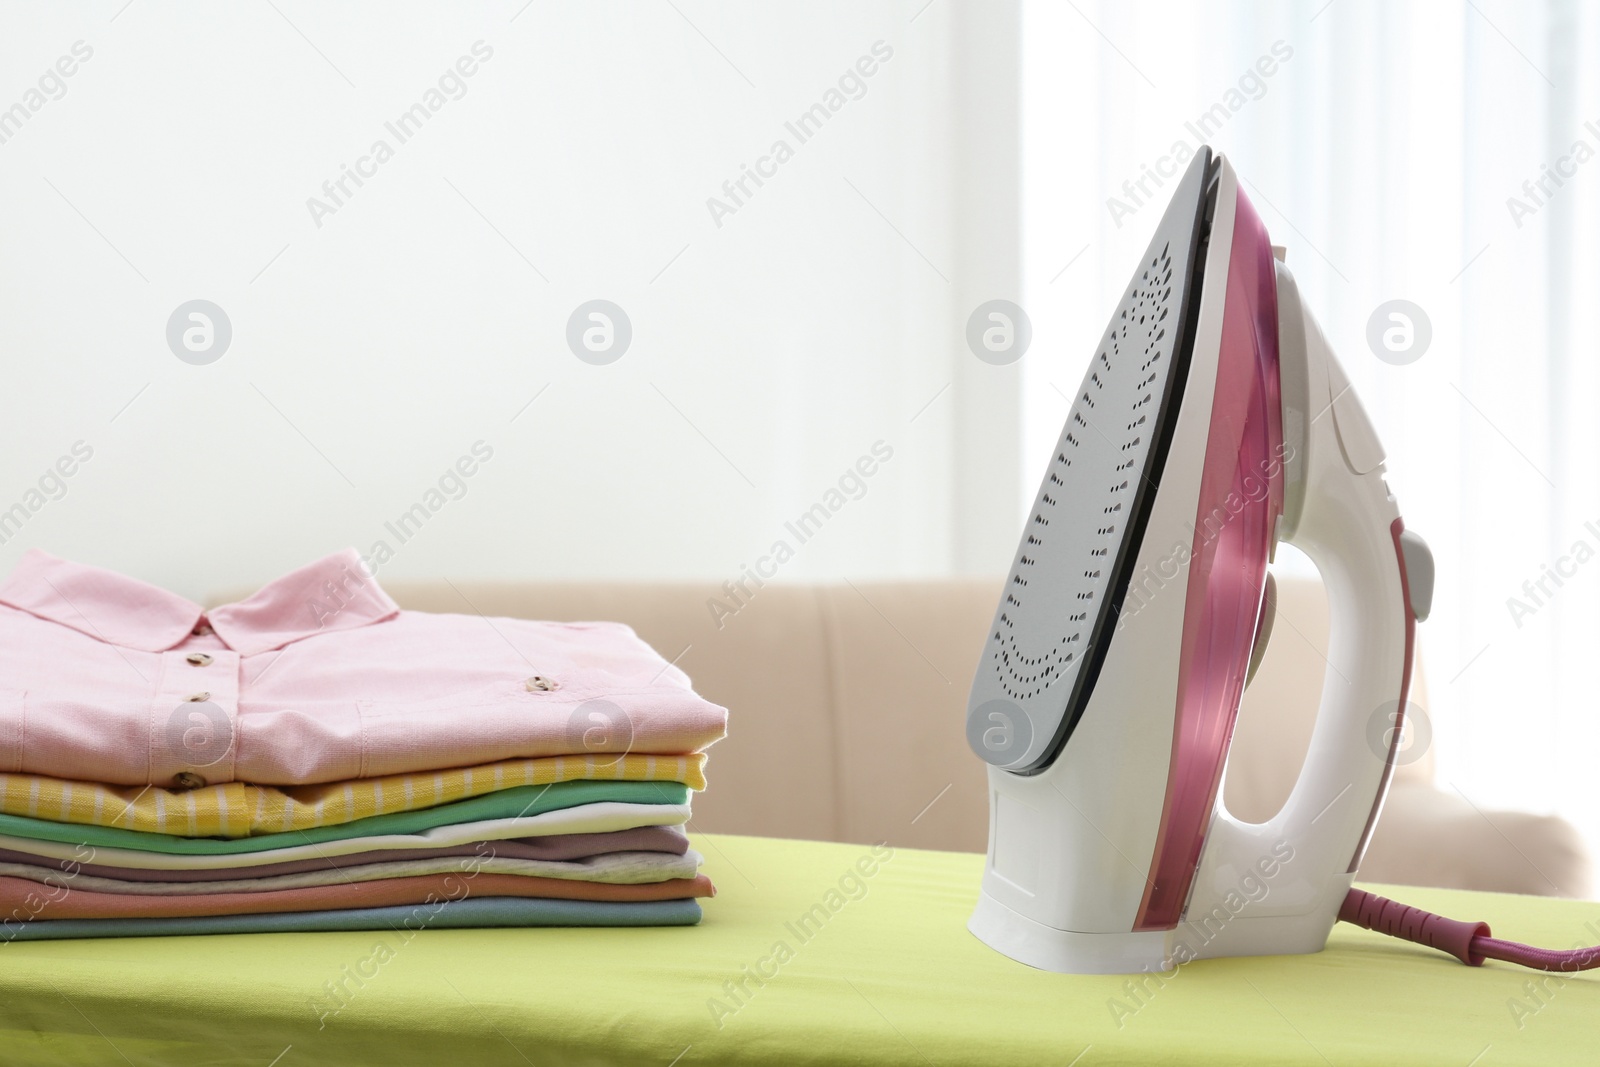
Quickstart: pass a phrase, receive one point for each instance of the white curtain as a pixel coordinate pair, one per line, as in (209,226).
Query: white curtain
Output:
(1446,154)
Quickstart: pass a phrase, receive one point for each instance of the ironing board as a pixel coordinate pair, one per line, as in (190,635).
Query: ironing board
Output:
(882,971)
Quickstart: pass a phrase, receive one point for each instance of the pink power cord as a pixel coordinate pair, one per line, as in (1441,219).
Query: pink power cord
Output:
(1468,942)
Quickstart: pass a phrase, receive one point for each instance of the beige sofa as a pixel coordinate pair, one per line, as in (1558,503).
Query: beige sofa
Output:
(847,705)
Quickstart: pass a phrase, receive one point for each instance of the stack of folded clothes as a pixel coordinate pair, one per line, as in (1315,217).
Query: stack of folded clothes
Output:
(314,758)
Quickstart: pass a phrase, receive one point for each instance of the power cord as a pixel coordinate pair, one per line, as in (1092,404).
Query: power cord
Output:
(1469,942)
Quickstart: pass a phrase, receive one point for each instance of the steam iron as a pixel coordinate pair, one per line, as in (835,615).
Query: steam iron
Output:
(1213,423)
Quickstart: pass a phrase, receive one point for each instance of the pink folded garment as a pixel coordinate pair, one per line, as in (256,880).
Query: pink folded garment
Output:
(319,677)
(667,839)
(22,900)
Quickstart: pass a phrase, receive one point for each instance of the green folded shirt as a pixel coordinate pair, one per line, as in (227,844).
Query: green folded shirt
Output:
(405,919)
(505,804)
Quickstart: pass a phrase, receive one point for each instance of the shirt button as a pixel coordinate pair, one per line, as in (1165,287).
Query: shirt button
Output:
(202,630)
(199,659)
(186,780)
(540,684)
(196,698)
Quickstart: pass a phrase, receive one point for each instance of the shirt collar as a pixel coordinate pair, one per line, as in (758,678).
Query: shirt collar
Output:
(334,593)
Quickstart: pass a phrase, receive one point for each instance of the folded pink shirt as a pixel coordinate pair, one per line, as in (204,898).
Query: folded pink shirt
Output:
(318,677)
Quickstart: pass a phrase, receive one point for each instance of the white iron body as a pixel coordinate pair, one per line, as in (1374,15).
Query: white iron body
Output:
(1071,848)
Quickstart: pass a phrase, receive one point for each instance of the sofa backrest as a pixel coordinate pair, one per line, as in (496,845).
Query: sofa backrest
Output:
(847,702)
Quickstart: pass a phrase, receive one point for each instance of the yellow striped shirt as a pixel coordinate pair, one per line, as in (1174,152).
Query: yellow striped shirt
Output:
(235,809)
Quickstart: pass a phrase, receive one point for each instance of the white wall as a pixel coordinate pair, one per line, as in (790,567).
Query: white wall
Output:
(424,314)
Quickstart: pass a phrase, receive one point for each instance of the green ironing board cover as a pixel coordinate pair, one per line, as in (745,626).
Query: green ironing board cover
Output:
(872,969)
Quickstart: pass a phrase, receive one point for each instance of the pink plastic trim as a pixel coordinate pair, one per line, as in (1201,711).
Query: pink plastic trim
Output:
(1420,927)
(1241,497)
